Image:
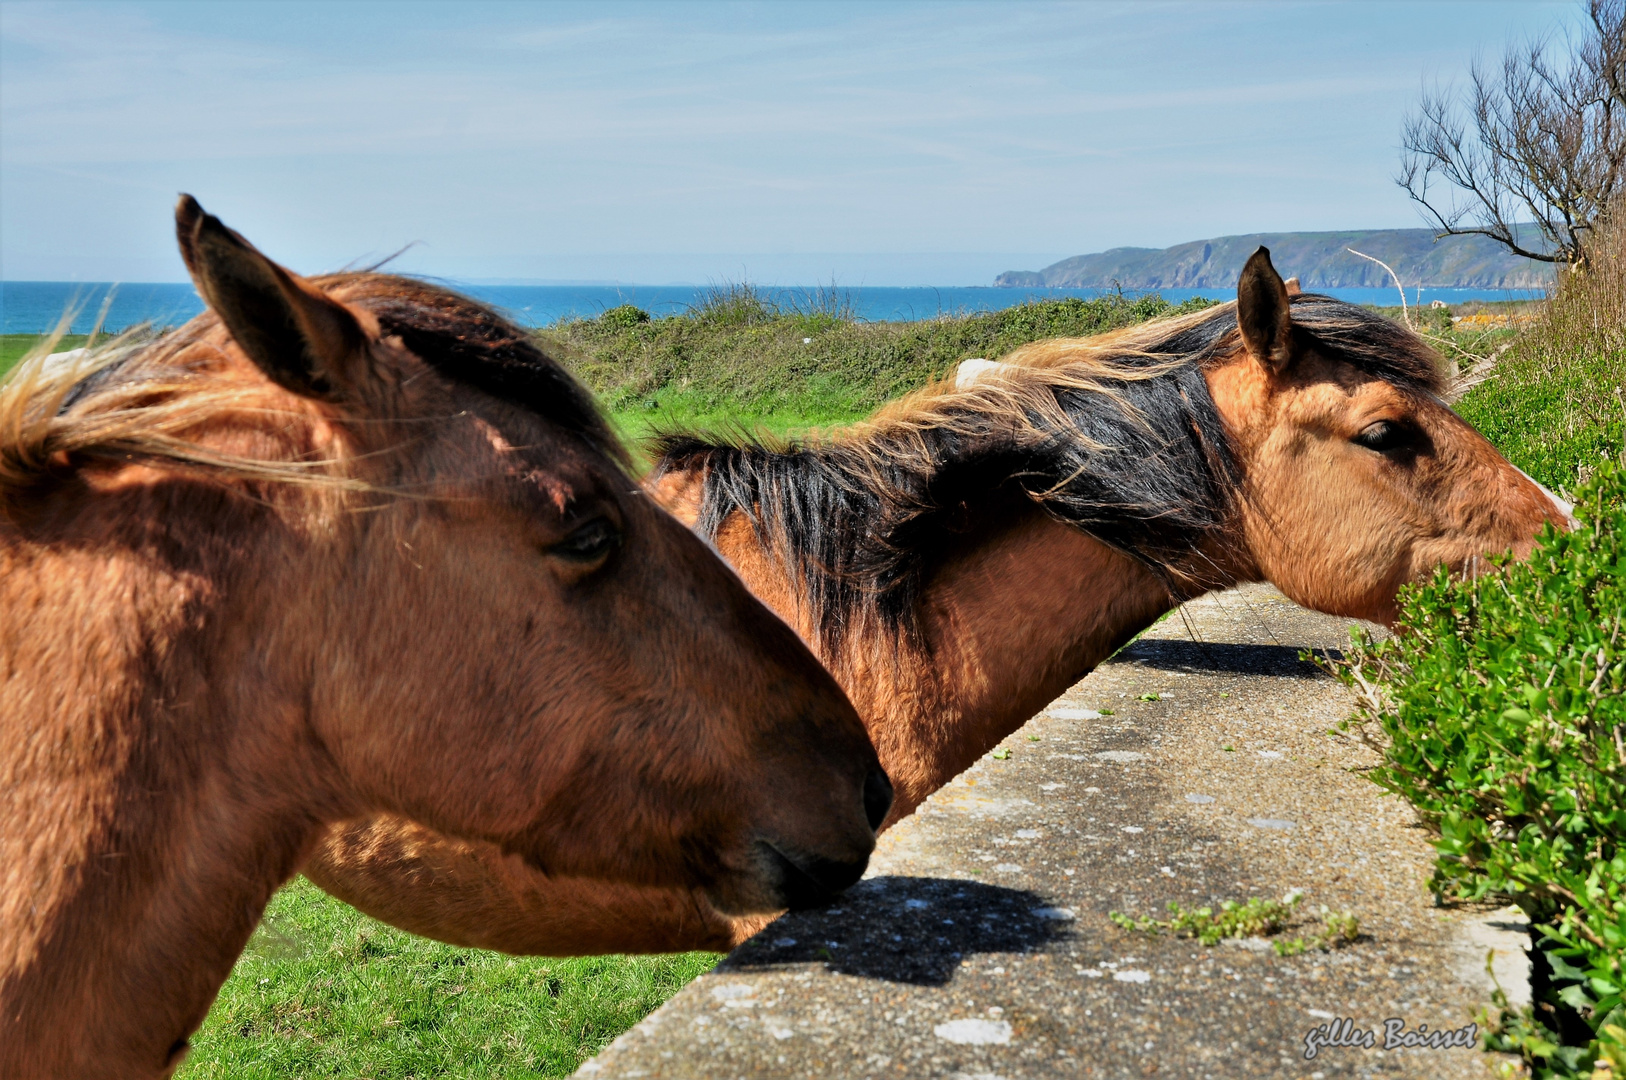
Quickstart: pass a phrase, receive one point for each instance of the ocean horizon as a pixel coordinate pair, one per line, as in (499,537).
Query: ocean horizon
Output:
(38,307)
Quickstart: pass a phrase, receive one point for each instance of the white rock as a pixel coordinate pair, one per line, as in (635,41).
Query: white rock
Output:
(971,370)
(974,1032)
(1252,944)
(1132,976)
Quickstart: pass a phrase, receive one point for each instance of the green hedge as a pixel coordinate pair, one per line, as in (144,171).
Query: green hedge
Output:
(1500,701)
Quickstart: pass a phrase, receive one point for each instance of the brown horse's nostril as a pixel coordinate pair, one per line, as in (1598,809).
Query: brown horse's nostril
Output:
(877,797)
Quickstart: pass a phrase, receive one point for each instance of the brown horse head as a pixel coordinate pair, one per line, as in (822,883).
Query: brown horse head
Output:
(351,545)
(573,674)
(1358,475)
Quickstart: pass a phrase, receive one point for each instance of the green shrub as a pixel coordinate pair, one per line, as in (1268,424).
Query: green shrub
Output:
(1501,702)
(624,317)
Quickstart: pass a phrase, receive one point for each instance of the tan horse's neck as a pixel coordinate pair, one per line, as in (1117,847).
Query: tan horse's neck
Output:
(1022,611)
(164,862)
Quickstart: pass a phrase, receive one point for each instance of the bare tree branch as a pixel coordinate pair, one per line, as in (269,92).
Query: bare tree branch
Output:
(1541,141)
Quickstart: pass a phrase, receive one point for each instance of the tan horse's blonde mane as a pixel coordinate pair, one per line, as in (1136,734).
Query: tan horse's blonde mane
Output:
(1021,387)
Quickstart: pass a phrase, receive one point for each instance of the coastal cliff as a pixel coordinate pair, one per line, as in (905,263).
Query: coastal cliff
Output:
(1317,259)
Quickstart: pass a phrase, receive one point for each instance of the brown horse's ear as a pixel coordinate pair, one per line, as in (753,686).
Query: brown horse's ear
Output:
(1263,312)
(1293,287)
(303,341)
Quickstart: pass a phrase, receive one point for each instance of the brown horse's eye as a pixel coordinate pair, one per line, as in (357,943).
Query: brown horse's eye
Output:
(1386,436)
(589,543)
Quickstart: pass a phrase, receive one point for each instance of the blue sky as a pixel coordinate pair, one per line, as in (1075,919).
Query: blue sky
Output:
(872,144)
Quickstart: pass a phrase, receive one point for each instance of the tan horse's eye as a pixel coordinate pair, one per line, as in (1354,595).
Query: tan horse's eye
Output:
(1386,436)
(589,543)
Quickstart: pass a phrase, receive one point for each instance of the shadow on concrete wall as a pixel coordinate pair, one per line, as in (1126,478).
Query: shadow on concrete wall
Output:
(1201,657)
(913,930)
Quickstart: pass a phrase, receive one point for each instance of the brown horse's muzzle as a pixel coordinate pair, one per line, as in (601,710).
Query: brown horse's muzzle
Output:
(806,880)
(782,871)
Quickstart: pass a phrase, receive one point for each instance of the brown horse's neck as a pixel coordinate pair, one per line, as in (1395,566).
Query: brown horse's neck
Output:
(133,867)
(1019,613)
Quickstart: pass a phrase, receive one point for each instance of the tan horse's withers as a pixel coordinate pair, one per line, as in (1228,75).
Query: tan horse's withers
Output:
(349,546)
(973,550)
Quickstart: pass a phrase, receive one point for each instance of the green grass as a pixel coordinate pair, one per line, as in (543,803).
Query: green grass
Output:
(323,990)
(1557,401)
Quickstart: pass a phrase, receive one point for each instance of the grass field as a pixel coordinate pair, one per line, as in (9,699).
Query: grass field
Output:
(325,991)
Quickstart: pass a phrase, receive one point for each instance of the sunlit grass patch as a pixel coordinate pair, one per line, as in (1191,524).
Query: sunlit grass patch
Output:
(323,990)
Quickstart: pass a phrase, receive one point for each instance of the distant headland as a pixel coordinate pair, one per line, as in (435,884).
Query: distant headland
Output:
(1317,259)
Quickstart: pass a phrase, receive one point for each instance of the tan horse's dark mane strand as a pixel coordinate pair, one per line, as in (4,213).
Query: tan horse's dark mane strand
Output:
(1116,435)
(129,401)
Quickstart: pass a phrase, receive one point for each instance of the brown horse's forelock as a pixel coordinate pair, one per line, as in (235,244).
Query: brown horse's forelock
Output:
(1122,442)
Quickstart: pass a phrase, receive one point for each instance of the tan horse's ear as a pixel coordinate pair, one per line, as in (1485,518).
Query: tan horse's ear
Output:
(1263,312)
(303,341)
(1293,287)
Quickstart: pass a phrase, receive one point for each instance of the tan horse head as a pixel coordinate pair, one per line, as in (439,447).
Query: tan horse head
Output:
(1359,477)
(347,546)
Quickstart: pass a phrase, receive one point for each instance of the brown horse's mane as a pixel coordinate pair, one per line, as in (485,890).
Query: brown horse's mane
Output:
(1116,435)
(135,399)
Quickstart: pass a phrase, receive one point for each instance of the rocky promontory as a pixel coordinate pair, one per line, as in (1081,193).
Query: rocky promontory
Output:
(1317,259)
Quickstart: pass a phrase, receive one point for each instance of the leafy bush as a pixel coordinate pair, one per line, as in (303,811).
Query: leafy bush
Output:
(1501,702)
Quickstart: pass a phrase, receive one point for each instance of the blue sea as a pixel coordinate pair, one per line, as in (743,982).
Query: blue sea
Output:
(35,307)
